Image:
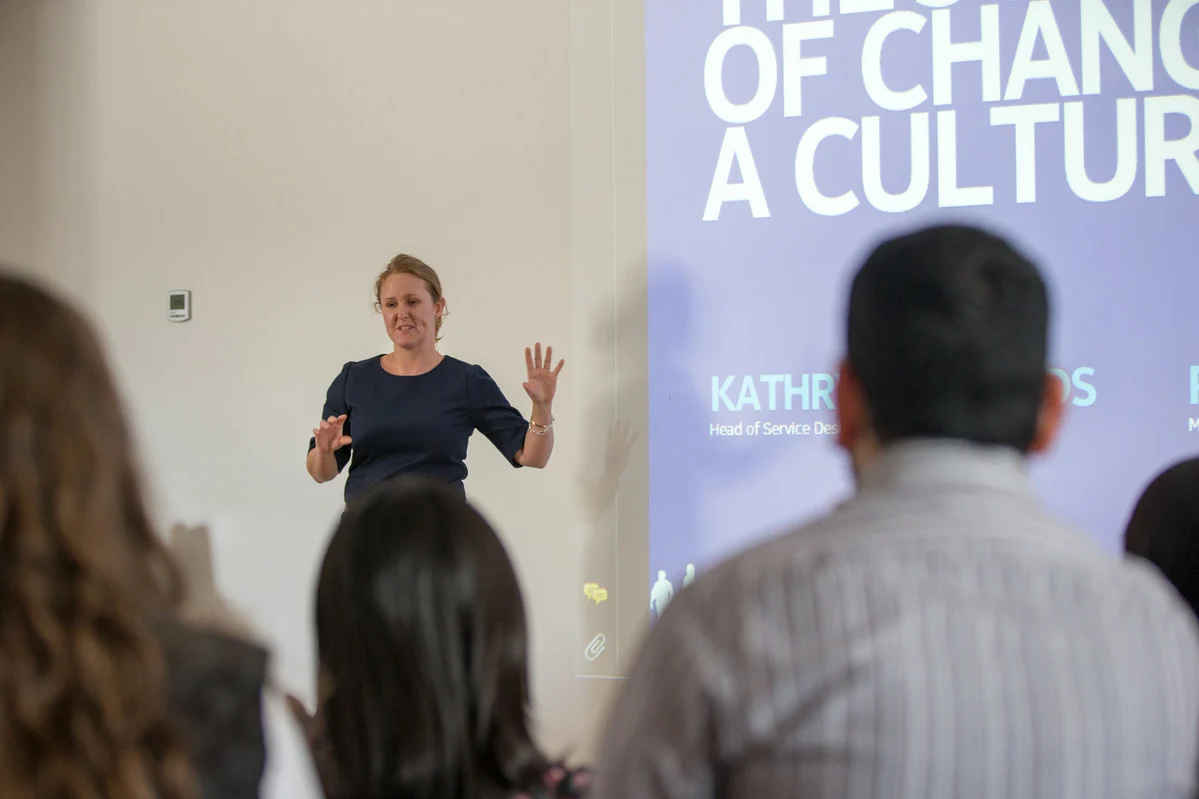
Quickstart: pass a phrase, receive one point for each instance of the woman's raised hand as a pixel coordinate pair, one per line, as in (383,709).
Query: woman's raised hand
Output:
(542,383)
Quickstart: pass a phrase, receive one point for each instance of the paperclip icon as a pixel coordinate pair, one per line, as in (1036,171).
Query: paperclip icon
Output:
(595,648)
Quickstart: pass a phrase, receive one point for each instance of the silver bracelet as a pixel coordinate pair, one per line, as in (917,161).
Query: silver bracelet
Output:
(545,428)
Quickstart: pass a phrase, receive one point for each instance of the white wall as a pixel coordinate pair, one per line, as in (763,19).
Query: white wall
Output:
(271,156)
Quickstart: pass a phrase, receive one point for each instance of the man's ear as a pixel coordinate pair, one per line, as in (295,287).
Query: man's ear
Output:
(1049,417)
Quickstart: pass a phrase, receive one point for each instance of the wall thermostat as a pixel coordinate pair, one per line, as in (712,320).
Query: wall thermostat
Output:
(179,306)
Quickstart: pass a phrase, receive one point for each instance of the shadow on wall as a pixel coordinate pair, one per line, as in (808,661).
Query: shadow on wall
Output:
(614,432)
(617,418)
(612,487)
(686,463)
(614,482)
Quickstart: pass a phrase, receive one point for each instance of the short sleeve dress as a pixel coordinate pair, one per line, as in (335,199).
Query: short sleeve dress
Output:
(418,424)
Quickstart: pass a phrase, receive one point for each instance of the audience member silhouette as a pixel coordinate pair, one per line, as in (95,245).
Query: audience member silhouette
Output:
(422,646)
(940,634)
(1164,528)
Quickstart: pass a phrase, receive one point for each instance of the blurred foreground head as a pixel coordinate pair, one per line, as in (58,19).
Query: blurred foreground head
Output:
(1164,527)
(422,642)
(82,683)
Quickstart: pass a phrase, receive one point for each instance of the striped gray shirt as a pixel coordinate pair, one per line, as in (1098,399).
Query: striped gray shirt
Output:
(938,636)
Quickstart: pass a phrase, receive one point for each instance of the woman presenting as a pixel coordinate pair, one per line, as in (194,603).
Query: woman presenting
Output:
(412,410)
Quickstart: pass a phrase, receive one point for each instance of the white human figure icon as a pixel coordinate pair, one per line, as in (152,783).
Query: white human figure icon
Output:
(689,577)
(661,594)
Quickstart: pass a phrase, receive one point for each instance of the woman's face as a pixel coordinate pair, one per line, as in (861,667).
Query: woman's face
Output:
(409,313)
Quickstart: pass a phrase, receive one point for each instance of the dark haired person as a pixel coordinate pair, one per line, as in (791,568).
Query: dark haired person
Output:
(939,635)
(423,649)
(1164,528)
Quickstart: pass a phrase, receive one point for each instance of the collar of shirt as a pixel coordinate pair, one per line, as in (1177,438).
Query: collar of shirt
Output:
(936,463)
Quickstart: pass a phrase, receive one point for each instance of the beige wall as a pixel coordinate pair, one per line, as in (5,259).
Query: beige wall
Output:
(47,163)
(270,156)
(18,125)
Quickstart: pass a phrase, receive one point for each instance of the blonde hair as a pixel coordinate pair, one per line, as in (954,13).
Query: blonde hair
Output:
(411,265)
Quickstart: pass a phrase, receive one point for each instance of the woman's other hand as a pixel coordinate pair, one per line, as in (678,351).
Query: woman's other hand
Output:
(329,436)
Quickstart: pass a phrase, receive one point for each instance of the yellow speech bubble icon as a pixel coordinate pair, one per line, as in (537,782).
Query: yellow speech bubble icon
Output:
(594,592)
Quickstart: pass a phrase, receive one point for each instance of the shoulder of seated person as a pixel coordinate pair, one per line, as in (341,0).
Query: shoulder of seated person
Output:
(215,690)
(195,648)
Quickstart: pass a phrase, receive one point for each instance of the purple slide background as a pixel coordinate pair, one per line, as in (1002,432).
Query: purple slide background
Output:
(756,296)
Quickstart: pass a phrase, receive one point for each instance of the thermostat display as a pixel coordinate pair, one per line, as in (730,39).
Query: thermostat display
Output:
(179,306)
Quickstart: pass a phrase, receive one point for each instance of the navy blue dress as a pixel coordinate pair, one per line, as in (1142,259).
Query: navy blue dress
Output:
(418,424)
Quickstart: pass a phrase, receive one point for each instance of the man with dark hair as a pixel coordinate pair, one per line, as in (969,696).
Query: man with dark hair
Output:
(948,330)
(939,635)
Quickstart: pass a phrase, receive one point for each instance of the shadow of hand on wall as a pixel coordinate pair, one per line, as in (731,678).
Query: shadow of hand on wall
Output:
(598,494)
(612,475)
